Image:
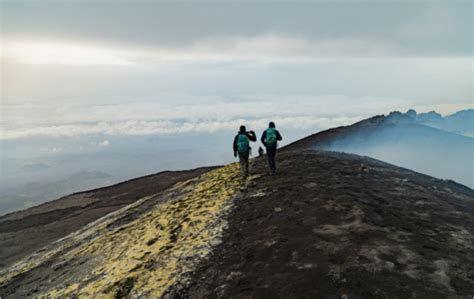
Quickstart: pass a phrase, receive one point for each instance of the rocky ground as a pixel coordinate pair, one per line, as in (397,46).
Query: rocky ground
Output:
(23,232)
(327,225)
(332,225)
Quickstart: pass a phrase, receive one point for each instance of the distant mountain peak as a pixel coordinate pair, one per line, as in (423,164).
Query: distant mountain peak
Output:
(431,116)
(461,122)
(397,116)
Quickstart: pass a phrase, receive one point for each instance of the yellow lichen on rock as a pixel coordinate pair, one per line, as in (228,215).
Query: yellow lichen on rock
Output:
(148,255)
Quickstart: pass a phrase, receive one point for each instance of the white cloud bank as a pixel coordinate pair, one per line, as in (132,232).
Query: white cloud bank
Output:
(140,127)
(194,114)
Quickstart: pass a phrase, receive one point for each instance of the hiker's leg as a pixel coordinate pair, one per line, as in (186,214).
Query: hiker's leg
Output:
(274,158)
(246,172)
(242,164)
(271,157)
(274,149)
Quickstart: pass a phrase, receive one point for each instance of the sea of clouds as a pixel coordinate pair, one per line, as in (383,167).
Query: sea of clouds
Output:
(174,114)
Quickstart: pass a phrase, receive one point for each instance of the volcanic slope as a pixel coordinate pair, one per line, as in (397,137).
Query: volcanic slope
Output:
(332,224)
(326,225)
(401,140)
(23,232)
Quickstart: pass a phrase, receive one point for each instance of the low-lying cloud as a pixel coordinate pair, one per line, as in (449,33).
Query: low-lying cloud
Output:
(141,127)
(171,114)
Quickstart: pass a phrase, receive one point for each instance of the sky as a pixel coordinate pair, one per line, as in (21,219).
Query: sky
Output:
(127,68)
(95,92)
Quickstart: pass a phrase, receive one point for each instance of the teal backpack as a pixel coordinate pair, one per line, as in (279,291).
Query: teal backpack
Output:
(271,138)
(243,145)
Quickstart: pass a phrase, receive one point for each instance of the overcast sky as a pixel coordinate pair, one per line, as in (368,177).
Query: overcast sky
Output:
(135,68)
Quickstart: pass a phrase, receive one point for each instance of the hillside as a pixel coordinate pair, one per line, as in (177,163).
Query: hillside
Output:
(23,232)
(328,225)
(401,139)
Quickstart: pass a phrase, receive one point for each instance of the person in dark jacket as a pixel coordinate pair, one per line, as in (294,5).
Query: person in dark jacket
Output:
(242,148)
(270,138)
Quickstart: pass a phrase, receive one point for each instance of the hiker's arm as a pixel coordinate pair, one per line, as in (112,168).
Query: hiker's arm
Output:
(278,136)
(235,146)
(264,136)
(252,136)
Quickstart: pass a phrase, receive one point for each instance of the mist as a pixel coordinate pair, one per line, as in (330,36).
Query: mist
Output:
(415,146)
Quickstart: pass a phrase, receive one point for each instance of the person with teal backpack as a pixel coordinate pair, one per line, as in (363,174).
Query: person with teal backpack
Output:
(242,148)
(270,138)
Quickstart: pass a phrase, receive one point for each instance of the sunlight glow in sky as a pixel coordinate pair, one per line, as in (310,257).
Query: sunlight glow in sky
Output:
(63,54)
(264,49)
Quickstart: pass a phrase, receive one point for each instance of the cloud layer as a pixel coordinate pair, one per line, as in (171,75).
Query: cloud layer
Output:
(171,114)
(413,28)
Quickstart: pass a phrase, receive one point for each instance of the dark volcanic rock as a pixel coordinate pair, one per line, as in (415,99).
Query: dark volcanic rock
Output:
(345,226)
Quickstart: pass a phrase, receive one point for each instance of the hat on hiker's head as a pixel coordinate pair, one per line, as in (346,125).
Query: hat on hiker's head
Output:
(242,129)
(271,124)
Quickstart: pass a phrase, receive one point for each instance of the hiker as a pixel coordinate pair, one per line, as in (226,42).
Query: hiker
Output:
(242,148)
(270,138)
(260,151)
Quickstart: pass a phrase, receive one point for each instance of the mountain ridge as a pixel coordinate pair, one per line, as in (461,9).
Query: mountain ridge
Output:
(325,221)
(400,139)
